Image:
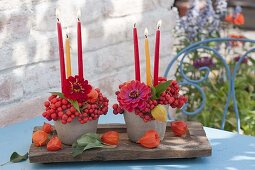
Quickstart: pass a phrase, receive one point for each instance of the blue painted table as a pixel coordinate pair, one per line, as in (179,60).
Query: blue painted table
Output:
(230,151)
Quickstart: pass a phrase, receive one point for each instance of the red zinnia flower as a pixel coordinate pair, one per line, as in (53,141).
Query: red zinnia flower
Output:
(76,88)
(134,95)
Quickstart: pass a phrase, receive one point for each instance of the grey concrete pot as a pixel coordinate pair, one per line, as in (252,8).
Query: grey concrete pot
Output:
(136,127)
(70,132)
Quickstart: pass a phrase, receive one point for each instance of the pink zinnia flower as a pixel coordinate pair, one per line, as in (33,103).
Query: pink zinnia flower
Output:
(133,95)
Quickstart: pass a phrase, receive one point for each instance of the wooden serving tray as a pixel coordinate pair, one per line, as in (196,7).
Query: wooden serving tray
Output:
(194,144)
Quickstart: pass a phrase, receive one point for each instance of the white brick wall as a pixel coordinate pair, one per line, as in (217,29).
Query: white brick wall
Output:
(29,66)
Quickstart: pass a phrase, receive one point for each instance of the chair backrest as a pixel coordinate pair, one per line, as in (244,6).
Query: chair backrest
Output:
(186,81)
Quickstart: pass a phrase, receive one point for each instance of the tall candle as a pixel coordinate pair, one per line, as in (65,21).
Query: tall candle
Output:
(147,55)
(156,57)
(136,54)
(68,57)
(61,51)
(79,43)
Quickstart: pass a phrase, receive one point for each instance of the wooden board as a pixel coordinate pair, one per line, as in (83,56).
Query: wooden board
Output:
(195,144)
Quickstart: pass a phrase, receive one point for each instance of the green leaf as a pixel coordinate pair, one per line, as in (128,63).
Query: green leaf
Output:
(153,91)
(77,151)
(85,142)
(15,157)
(61,95)
(161,87)
(94,145)
(75,104)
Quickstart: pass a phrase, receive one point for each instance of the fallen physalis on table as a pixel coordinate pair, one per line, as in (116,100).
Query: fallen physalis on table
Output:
(151,138)
(46,136)
(179,128)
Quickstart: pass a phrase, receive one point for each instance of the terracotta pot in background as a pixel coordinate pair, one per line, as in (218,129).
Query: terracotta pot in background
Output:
(183,6)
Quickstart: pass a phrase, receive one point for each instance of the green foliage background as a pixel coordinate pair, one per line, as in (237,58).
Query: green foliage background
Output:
(216,89)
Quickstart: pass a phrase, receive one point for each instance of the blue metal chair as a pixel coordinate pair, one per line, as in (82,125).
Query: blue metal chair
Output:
(195,83)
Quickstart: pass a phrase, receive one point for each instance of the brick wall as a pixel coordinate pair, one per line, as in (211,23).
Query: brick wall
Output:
(29,65)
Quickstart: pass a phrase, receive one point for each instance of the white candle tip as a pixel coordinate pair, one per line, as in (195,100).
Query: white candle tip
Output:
(146,32)
(57,13)
(159,24)
(78,13)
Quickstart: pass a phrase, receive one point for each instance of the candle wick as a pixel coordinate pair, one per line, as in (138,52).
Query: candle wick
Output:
(134,25)
(57,19)
(67,36)
(146,36)
(78,19)
(158,27)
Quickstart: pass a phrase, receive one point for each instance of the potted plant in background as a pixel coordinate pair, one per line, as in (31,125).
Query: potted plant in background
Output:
(214,21)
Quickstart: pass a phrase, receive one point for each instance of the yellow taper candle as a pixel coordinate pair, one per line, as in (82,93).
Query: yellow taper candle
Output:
(147,55)
(68,57)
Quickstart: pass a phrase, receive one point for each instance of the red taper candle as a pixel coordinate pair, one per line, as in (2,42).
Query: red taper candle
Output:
(136,54)
(79,43)
(156,57)
(61,52)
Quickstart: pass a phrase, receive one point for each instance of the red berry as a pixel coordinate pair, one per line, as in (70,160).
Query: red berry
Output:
(46,104)
(76,113)
(52,106)
(60,114)
(72,109)
(64,107)
(52,97)
(64,101)
(58,104)
(44,114)
(69,119)
(68,112)
(54,100)
(59,109)
(63,121)
(64,117)
(54,116)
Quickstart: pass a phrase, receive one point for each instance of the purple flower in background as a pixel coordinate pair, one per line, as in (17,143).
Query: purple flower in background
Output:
(207,14)
(245,60)
(203,62)
(221,8)
(237,10)
(201,24)
(189,22)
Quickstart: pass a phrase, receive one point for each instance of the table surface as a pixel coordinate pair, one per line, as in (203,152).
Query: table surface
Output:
(230,151)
